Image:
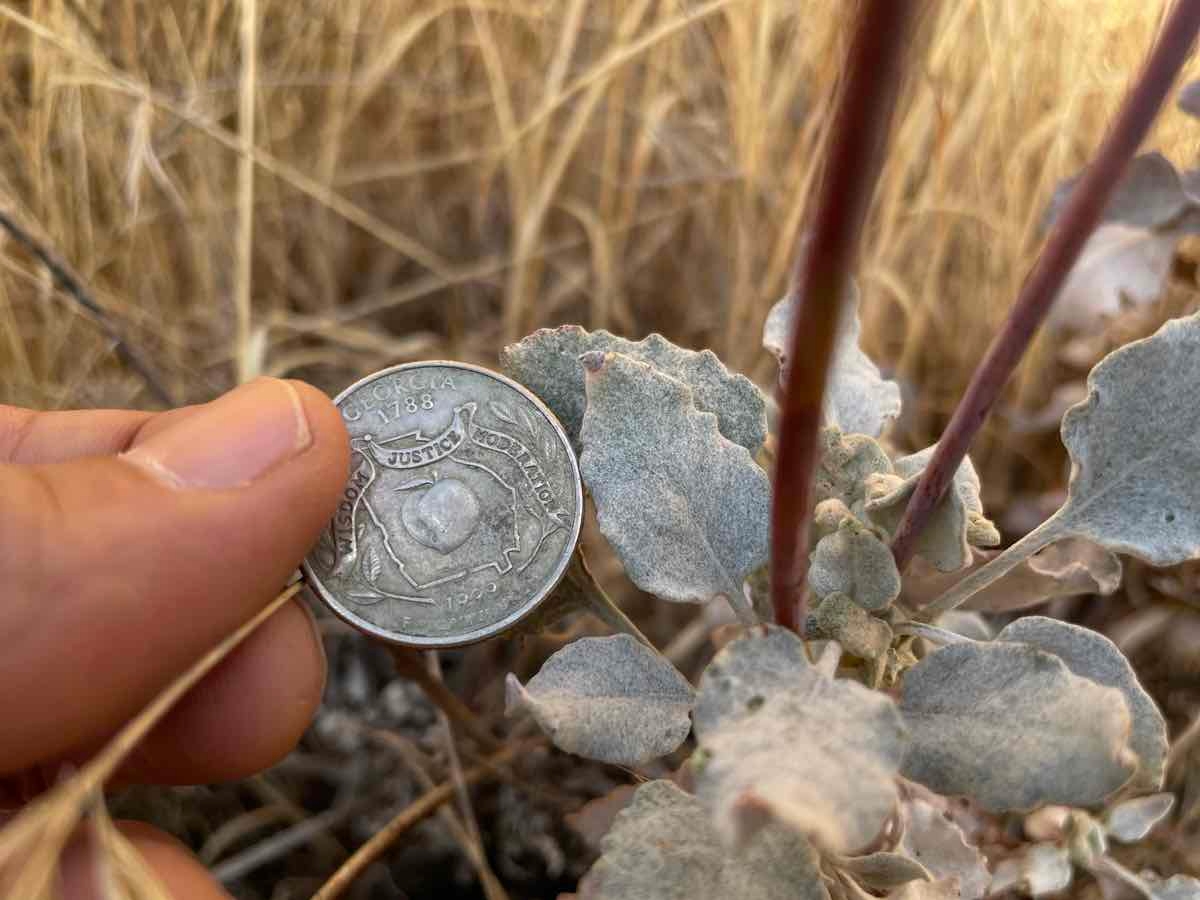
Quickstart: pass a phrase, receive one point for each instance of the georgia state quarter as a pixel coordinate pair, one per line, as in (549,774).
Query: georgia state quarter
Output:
(462,508)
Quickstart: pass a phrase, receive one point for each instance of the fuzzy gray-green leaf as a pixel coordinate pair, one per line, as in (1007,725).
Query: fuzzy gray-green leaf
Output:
(609,698)
(663,847)
(1135,445)
(957,522)
(1067,568)
(858,399)
(1177,887)
(1093,656)
(778,739)
(1012,727)
(547,362)
(744,674)
(855,562)
(1149,194)
(1131,820)
(966,479)
(941,847)
(1188,100)
(845,463)
(1042,869)
(943,541)
(685,509)
(1120,266)
(967,624)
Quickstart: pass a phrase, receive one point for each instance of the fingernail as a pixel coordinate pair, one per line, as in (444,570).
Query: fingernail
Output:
(231,441)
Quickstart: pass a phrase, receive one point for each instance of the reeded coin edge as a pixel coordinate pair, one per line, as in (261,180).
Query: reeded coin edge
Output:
(480,634)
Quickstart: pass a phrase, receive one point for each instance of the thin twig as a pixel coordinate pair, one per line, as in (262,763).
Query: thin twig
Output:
(1182,745)
(409,665)
(414,762)
(105,763)
(1083,211)
(492,888)
(579,588)
(819,284)
(369,852)
(72,286)
(280,844)
(270,793)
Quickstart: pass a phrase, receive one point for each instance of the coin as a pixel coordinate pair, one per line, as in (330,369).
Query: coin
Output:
(461,510)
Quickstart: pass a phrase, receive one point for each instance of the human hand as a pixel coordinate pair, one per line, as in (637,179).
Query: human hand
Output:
(130,544)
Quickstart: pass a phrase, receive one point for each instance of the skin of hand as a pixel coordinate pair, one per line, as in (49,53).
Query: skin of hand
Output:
(130,544)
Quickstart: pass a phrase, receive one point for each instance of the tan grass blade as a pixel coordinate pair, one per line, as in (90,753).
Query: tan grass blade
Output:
(247,365)
(427,803)
(31,844)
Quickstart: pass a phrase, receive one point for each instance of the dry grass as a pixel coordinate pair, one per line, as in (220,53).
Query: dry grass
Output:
(325,188)
(251,187)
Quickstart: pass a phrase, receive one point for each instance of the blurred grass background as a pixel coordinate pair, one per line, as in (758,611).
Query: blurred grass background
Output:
(320,188)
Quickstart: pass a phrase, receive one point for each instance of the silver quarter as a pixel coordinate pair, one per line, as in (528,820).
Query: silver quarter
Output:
(461,510)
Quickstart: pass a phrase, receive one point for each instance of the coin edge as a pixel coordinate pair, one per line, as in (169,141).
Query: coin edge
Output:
(496,630)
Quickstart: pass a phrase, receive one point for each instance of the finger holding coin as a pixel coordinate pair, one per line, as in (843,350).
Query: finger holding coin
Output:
(461,511)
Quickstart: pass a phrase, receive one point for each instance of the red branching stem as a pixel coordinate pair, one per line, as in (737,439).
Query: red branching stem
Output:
(855,153)
(1071,231)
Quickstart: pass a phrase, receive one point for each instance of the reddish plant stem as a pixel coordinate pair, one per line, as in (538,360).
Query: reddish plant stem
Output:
(820,280)
(1079,218)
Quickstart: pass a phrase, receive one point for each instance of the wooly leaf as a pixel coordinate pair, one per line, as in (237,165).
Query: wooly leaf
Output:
(829,516)
(940,846)
(966,478)
(1128,257)
(1040,870)
(957,521)
(839,618)
(1135,449)
(1177,887)
(547,362)
(967,624)
(684,508)
(883,871)
(1119,266)
(1149,194)
(819,756)
(756,665)
(1131,820)
(980,530)
(855,562)
(609,698)
(846,462)
(1012,727)
(1091,655)
(858,399)
(1189,98)
(663,847)
(1069,568)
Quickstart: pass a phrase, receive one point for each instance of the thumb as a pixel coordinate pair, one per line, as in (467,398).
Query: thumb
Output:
(119,571)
